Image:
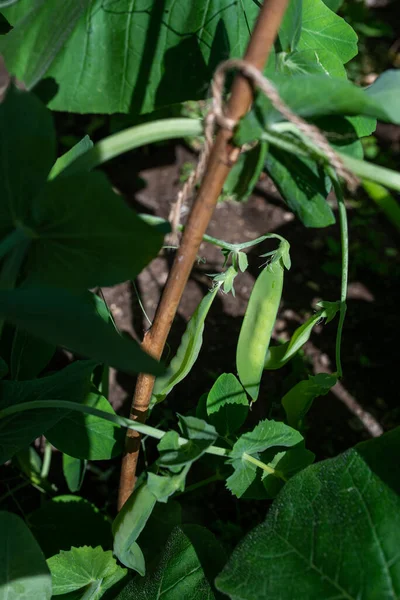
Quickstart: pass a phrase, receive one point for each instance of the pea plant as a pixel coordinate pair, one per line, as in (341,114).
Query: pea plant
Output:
(331,528)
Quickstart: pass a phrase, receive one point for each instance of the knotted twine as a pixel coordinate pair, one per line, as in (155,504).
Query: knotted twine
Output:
(216,116)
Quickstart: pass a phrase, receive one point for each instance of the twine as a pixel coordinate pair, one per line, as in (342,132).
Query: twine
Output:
(216,116)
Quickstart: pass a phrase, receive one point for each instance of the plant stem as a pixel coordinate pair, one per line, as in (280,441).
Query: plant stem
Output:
(263,466)
(344,241)
(134,137)
(200,484)
(223,156)
(361,168)
(114,419)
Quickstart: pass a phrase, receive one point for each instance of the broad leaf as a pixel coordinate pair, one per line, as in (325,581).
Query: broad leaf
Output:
(267,434)
(385,91)
(317,62)
(27,152)
(74,321)
(20,429)
(29,355)
(145,54)
(23,571)
(290,29)
(188,350)
(322,29)
(303,185)
(227,404)
(332,532)
(127,526)
(333,4)
(66,521)
(190,561)
(93,438)
(74,471)
(298,401)
(91,570)
(245,173)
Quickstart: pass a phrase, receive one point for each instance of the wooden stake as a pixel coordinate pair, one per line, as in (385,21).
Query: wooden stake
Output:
(222,158)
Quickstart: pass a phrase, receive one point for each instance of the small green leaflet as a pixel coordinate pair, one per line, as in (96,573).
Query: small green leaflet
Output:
(74,471)
(227,405)
(91,570)
(200,436)
(188,350)
(245,455)
(298,401)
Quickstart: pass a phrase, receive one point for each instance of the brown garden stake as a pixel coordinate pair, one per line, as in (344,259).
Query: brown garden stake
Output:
(223,156)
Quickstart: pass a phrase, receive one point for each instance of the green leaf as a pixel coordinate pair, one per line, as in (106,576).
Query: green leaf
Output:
(66,319)
(158,528)
(245,173)
(74,471)
(23,571)
(127,526)
(188,350)
(267,434)
(303,185)
(385,91)
(165,486)
(93,438)
(298,401)
(287,463)
(27,152)
(278,356)
(86,251)
(321,62)
(3,368)
(29,355)
(191,559)
(66,521)
(91,570)
(200,436)
(144,55)
(19,430)
(334,527)
(290,29)
(69,157)
(322,29)
(227,404)
(333,4)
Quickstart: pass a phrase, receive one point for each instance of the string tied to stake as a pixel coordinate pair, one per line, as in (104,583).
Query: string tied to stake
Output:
(216,116)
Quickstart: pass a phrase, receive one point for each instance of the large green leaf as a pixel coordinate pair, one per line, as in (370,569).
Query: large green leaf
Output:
(290,29)
(93,438)
(144,53)
(27,152)
(19,430)
(385,90)
(303,185)
(91,570)
(66,521)
(23,571)
(191,559)
(74,321)
(29,355)
(85,235)
(317,62)
(322,29)
(332,532)
(227,404)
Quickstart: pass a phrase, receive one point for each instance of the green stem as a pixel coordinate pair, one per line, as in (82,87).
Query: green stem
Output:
(263,466)
(361,168)
(114,419)
(344,241)
(134,137)
(200,484)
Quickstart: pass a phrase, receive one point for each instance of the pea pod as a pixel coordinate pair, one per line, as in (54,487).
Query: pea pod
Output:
(278,356)
(259,320)
(188,350)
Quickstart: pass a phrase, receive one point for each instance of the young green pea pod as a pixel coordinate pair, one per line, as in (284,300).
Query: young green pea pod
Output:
(259,320)
(278,356)
(188,350)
